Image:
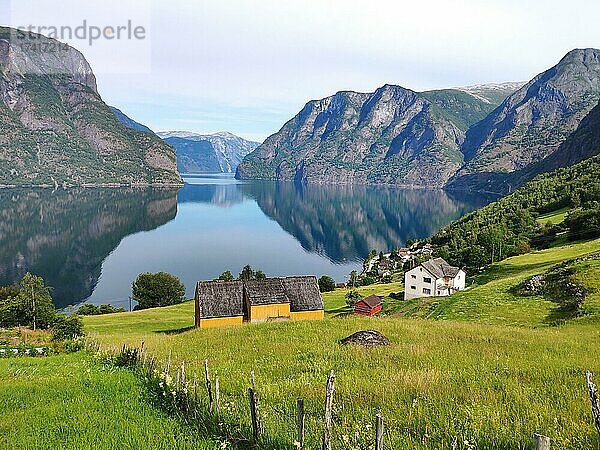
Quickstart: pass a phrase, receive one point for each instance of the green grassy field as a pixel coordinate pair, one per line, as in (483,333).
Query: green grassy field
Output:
(71,402)
(485,365)
(492,370)
(554,217)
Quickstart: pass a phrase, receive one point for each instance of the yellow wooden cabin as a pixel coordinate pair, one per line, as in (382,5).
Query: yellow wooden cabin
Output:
(219,303)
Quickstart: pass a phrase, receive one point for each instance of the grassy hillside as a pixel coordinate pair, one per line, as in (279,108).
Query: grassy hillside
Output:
(494,372)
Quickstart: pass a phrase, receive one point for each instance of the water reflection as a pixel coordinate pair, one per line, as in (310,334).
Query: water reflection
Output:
(75,239)
(64,236)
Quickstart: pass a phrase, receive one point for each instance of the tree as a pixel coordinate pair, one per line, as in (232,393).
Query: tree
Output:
(352,297)
(353,279)
(260,275)
(153,290)
(326,284)
(29,304)
(247,273)
(226,276)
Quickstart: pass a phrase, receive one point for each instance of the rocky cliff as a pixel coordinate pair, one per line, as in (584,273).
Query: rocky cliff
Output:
(56,130)
(392,136)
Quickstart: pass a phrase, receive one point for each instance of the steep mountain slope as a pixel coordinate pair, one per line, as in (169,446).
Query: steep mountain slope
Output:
(219,152)
(531,123)
(391,136)
(55,128)
(128,121)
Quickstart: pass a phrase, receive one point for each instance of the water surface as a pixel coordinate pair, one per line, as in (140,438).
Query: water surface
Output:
(90,244)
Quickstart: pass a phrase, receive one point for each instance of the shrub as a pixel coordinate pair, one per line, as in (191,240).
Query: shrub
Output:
(326,284)
(352,297)
(367,281)
(89,309)
(153,290)
(66,327)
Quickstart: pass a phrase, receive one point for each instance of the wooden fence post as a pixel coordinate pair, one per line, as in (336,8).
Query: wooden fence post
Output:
(541,442)
(379,433)
(594,399)
(300,422)
(328,417)
(217,395)
(208,386)
(256,425)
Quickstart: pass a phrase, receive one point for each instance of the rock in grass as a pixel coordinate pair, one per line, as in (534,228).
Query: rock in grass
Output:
(368,338)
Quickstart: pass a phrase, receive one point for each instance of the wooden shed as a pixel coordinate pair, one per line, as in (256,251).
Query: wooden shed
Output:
(368,306)
(220,303)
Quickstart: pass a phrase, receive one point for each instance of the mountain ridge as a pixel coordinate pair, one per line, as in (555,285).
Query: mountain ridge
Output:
(465,138)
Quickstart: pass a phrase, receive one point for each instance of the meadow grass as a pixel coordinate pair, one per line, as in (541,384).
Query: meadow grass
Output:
(492,373)
(554,217)
(73,402)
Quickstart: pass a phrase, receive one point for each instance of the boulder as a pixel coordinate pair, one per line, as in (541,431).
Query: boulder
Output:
(366,338)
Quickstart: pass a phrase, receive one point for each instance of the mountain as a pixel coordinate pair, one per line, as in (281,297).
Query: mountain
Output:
(55,129)
(128,121)
(218,152)
(490,137)
(532,123)
(391,136)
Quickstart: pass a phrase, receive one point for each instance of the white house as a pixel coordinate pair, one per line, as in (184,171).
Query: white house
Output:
(433,278)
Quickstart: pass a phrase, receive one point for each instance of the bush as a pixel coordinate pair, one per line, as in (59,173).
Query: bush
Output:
(153,290)
(66,327)
(367,281)
(326,284)
(89,309)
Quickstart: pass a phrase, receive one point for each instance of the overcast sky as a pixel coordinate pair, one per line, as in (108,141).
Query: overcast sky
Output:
(248,66)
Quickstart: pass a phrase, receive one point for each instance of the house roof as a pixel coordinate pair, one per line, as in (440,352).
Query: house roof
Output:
(265,292)
(371,301)
(439,268)
(220,298)
(303,293)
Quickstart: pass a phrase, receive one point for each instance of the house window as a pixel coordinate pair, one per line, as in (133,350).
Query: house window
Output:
(426,280)
(426,291)
(413,287)
(414,277)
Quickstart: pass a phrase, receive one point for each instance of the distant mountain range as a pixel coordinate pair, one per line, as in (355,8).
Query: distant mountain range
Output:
(218,152)
(199,153)
(56,130)
(486,137)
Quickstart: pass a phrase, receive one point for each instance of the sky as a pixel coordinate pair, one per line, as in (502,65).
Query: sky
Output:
(248,66)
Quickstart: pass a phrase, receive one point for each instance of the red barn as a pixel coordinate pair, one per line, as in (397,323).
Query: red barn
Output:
(368,306)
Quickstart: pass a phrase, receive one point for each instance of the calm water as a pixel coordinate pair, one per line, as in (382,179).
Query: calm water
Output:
(90,244)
